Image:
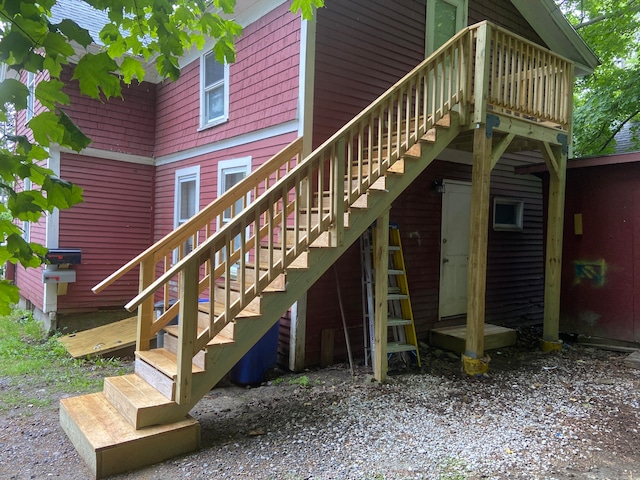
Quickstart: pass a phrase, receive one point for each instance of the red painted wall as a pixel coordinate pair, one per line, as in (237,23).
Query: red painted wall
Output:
(111,226)
(601,267)
(263,87)
(124,125)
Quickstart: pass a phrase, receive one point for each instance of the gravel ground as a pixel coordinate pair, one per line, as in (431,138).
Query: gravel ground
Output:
(567,414)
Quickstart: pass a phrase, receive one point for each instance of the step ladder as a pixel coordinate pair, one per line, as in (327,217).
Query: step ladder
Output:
(401,336)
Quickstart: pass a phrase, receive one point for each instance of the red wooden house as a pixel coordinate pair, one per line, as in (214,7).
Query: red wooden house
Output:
(354,87)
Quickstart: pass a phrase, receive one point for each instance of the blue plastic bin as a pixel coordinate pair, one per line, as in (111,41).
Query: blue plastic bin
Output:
(251,368)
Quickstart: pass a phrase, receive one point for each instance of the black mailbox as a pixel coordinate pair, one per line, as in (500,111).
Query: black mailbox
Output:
(60,256)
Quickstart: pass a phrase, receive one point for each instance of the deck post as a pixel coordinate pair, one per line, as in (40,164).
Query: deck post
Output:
(145,310)
(381,262)
(477,270)
(556,160)
(187,331)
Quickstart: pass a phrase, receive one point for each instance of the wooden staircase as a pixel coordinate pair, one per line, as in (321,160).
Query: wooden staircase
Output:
(303,215)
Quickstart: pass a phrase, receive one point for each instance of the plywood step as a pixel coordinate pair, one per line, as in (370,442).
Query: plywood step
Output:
(137,401)
(110,445)
(103,340)
(454,338)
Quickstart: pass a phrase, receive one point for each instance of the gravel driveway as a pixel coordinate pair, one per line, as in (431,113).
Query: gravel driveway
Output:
(567,414)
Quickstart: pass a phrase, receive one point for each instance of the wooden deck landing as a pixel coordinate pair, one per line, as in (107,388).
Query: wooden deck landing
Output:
(102,340)
(453,338)
(110,445)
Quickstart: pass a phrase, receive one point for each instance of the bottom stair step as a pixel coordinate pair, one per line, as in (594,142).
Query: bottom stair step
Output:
(110,445)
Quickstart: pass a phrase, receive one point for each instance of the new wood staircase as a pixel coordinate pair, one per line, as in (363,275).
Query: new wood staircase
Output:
(238,279)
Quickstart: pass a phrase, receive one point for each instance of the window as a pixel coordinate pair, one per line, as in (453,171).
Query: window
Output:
(231,172)
(507,213)
(214,95)
(187,201)
(444,19)
(31,85)
(26,225)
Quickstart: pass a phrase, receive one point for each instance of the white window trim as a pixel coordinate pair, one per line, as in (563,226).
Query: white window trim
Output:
(31,98)
(204,124)
(26,225)
(462,20)
(518,225)
(184,175)
(231,166)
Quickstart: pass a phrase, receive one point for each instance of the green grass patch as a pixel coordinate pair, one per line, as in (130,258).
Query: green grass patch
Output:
(33,366)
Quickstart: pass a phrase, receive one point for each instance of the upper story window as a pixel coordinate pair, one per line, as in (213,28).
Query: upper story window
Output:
(214,91)
(31,85)
(445,18)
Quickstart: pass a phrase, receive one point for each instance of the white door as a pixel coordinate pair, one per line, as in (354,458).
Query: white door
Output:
(454,248)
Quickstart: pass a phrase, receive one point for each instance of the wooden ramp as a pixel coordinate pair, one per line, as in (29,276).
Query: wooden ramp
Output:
(102,340)
(453,338)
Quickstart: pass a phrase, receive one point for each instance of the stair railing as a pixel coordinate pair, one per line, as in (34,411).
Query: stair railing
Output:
(174,246)
(311,200)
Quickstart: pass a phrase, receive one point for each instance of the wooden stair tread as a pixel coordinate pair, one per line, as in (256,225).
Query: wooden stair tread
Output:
(219,339)
(138,392)
(218,309)
(110,445)
(164,361)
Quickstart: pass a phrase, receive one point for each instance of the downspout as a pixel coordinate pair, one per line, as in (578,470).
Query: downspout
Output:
(52,238)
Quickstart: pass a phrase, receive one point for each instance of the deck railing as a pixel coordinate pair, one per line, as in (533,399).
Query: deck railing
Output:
(233,265)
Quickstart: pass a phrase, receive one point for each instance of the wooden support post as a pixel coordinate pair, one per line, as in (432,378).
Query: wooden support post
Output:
(477,272)
(187,331)
(145,310)
(481,86)
(381,262)
(297,334)
(556,161)
(337,194)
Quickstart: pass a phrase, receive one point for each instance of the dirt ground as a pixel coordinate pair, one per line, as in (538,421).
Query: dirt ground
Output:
(582,411)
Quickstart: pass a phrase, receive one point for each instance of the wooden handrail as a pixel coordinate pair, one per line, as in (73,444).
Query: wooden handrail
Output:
(175,238)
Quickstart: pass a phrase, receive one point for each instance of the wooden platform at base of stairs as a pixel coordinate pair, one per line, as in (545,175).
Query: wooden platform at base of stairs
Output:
(454,338)
(109,445)
(111,338)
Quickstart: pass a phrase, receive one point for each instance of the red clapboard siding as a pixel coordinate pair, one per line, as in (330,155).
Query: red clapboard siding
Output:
(29,281)
(111,226)
(125,125)
(259,152)
(263,87)
(362,48)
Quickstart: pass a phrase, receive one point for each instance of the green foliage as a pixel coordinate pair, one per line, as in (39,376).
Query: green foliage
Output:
(139,35)
(30,361)
(609,98)
(302,381)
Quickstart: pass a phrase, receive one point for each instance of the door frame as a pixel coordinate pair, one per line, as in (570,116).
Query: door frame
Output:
(446,182)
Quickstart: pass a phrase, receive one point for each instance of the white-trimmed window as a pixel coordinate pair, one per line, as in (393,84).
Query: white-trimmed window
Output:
(445,18)
(230,173)
(186,200)
(508,213)
(214,91)
(26,225)
(31,86)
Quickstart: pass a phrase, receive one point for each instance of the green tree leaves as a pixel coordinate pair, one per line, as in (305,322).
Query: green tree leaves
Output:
(139,35)
(608,99)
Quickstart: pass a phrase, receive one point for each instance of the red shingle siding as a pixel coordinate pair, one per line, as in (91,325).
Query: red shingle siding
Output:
(111,226)
(504,14)
(263,87)
(124,125)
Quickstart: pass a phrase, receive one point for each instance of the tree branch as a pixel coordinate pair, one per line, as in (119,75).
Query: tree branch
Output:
(617,130)
(607,16)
